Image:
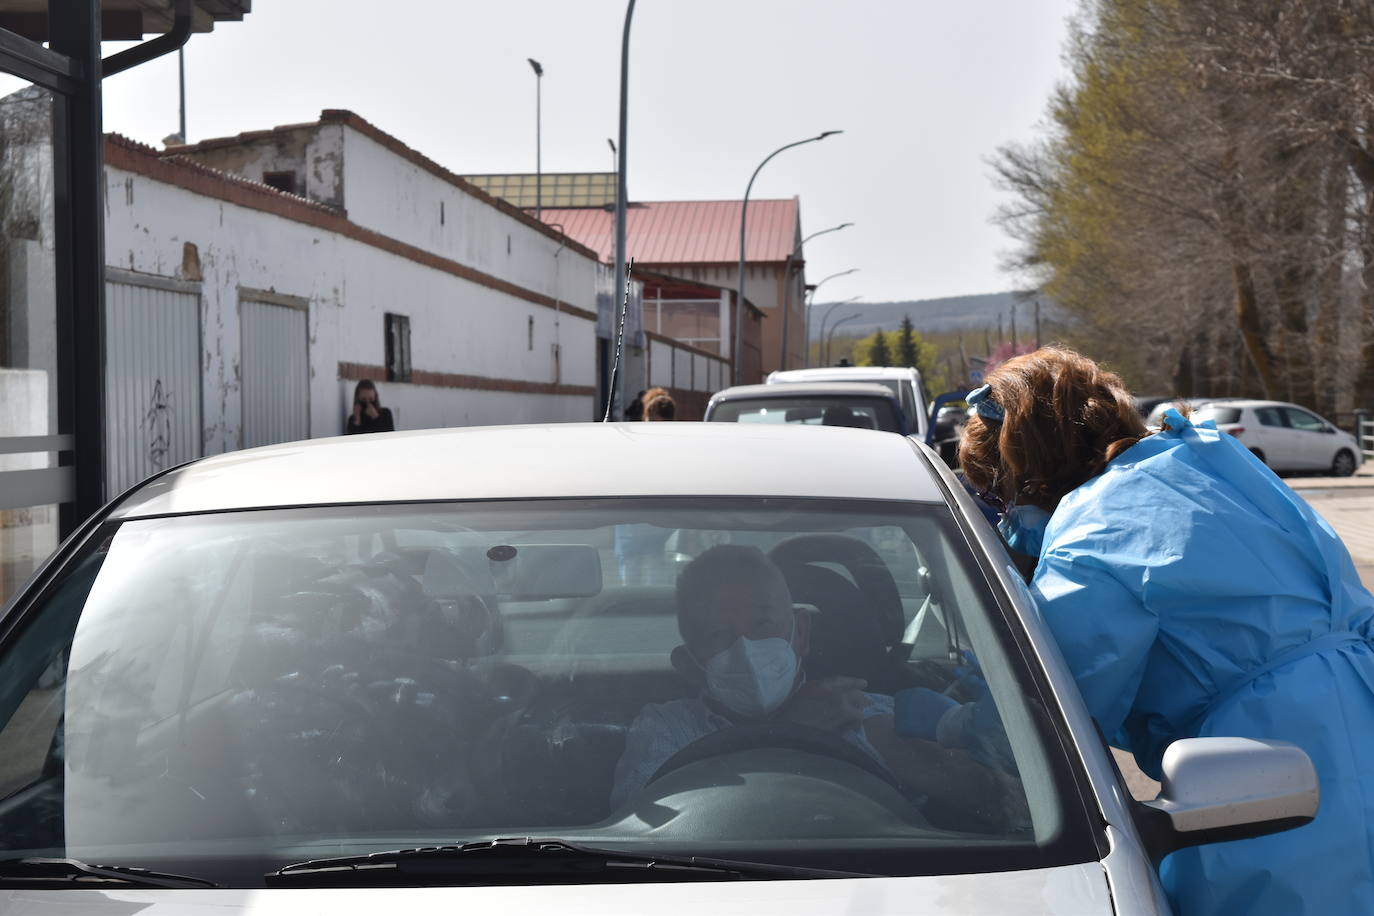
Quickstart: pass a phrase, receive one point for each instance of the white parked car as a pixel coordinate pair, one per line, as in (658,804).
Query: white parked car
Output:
(906,383)
(1285,436)
(408,673)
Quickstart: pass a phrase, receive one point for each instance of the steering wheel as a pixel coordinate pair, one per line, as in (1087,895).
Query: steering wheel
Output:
(786,735)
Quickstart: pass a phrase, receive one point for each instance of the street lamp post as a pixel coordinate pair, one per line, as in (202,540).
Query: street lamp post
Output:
(833,327)
(821,349)
(538,139)
(611,144)
(811,301)
(787,290)
(743,221)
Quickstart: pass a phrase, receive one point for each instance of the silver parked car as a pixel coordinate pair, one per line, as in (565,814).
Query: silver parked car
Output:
(854,404)
(448,670)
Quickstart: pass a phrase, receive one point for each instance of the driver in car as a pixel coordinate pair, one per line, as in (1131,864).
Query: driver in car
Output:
(743,648)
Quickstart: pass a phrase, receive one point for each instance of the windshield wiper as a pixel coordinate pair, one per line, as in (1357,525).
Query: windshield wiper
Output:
(527,861)
(39,872)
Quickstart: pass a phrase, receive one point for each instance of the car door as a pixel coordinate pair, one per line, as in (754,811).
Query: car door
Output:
(1316,446)
(1275,439)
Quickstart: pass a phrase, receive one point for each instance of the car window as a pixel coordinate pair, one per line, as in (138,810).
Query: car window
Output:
(282,685)
(1301,419)
(1220,415)
(859,413)
(1270,416)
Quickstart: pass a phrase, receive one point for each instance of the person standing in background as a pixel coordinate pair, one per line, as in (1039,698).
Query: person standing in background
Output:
(634,411)
(658,404)
(368,416)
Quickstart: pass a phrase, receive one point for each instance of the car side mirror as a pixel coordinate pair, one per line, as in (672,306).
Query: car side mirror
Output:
(1217,789)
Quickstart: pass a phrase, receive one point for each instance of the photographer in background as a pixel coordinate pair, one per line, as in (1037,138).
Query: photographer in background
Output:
(368,416)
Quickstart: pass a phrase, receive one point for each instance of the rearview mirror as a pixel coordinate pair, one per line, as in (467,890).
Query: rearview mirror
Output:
(527,572)
(1217,789)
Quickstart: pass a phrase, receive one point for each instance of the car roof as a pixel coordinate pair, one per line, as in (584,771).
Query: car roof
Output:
(838,373)
(811,389)
(548,461)
(1247,402)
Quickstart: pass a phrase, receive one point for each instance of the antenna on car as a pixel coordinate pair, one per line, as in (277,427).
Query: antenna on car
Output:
(619,342)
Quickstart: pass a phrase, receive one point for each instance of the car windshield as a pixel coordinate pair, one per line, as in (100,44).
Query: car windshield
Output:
(1222,416)
(217,694)
(860,413)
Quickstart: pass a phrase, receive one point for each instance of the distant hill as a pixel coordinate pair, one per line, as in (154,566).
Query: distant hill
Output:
(936,316)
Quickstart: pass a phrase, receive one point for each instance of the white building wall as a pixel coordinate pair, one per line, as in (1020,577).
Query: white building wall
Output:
(458,326)
(660,364)
(394,196)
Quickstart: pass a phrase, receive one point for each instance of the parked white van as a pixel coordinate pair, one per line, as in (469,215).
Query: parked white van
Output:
(904,381)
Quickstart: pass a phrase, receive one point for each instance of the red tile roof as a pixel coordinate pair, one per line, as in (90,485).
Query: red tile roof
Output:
(687,231)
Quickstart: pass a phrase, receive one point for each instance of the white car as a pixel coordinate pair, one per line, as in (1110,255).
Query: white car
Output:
(906,383)
(410,673)
(1285,436)
(855,404)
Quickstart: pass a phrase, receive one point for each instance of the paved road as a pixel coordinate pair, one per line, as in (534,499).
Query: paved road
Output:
(1348,505)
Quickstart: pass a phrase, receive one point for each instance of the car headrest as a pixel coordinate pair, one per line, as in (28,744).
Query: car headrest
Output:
(864,566)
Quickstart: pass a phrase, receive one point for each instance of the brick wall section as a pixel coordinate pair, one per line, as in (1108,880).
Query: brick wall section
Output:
(122,153)
(354,372)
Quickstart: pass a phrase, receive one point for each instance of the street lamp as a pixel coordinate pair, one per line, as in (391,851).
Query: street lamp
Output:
(787,290)
(538,117)
(832,333)
(611,144)
(820,348)
(620,197)
(743,220)
(825,280)
(812,300)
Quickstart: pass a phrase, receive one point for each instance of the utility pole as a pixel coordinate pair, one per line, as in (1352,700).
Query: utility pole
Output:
(1014,341)
(181,79)
(1037,324)
(620,173)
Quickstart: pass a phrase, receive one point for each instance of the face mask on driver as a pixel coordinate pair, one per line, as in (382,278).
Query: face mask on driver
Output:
(1023,527)
(754,676)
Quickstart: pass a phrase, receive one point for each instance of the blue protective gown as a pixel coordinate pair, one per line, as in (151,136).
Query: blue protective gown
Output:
(1194,595)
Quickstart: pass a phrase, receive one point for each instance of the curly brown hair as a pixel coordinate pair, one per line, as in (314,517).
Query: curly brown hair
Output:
(658,404)
(1065,419)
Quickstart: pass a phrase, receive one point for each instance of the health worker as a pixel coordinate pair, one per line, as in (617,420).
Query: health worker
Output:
(1193,594)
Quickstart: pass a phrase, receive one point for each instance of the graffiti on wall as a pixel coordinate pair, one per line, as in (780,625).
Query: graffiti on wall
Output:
(157,421)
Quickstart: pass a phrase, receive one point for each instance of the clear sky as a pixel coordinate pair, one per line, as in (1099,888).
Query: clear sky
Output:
(925,91)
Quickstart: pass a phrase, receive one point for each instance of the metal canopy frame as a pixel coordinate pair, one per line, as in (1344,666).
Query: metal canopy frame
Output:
(71,68)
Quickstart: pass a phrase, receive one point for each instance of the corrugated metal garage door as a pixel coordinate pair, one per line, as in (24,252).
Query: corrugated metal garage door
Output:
(152,378)
(275,363)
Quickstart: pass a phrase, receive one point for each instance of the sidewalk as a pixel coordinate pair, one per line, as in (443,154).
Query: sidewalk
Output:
(1347,503)
(1363,478)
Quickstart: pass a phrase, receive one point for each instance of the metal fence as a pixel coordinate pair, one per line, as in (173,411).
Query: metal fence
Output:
(1364,433)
